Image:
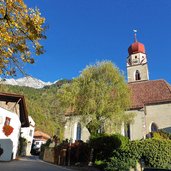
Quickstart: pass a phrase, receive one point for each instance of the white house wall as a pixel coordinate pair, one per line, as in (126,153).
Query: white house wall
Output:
(11,106)
(15,123)
(28,134)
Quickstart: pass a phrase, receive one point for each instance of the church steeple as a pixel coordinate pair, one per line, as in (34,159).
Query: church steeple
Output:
(137,68)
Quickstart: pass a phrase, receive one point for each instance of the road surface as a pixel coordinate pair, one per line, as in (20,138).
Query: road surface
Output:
(30,164)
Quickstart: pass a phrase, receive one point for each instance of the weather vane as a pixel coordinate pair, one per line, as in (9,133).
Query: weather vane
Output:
(135,35)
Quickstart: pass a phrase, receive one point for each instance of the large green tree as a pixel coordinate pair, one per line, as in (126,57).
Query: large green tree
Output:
(21,29)
(99,95)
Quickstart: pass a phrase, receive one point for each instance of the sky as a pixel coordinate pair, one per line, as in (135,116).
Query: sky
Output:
(82,32)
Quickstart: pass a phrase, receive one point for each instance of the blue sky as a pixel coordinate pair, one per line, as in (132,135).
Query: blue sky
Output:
(82,32)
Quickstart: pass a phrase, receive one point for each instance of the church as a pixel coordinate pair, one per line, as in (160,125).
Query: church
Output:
(151,101)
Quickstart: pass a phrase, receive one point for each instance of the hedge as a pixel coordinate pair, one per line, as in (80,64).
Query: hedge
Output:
(155,153)
(104,145)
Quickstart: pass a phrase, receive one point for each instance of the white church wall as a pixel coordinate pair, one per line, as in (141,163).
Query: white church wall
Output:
(137,127)
(160,114)
(70,131)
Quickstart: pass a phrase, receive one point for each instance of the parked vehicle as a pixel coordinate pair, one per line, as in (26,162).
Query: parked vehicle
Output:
(36,147)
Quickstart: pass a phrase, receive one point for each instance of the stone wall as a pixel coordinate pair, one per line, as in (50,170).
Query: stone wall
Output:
(49,155)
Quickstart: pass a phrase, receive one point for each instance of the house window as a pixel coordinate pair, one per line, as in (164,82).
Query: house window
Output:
(154,127)
(31,133)
(7,121)
(137,75)
(78,135)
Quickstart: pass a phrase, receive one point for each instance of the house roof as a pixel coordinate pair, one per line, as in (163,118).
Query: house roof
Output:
(7,97)
(41,135)
(149,92)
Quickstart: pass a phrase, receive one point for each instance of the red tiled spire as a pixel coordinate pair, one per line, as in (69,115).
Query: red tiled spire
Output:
(136,47)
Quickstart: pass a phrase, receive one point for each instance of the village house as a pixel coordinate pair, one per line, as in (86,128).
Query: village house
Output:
(39,139)
(151,101)
(13,116)
(28,134)
(39,135)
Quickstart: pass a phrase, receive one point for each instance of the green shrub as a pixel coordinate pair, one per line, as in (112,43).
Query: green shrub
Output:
(104,145)
(154,152)
(121,161)
(22,145)
(161,135)
(100,164)
(116,152)
(157,153)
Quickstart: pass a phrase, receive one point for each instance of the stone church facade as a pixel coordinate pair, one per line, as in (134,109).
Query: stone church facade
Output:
(151,101)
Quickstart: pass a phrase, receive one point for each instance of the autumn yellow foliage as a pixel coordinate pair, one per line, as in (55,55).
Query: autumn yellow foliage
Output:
(21,29)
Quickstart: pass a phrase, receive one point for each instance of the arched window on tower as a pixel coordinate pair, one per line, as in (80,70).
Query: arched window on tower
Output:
(137,75)
(78,135)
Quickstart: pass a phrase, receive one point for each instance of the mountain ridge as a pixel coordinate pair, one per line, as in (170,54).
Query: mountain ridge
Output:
(27,81)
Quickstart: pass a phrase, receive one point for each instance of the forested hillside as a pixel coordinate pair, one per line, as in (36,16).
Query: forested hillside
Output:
(42,106)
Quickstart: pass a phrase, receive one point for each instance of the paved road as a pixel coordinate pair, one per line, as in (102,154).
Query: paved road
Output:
(30,164)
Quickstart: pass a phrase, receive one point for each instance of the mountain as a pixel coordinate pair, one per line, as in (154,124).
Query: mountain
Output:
(27,81)
(42,105)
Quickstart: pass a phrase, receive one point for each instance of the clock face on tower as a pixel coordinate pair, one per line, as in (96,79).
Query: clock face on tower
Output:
(143,60)
(136,60)
(132,61)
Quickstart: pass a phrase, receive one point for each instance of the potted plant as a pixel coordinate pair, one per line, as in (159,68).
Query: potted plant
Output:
(7,129)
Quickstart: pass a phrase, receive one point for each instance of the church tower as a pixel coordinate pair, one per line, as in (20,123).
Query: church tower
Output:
(137,68)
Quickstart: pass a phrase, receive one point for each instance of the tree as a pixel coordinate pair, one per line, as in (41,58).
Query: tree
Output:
(99,95)
(21,29)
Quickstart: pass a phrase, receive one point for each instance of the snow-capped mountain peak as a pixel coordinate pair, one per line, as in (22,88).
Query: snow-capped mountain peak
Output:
(27,81)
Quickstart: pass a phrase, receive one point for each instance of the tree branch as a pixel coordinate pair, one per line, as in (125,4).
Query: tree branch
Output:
(18,66)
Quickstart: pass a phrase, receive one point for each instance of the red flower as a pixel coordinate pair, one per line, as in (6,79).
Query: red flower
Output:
(7,129)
